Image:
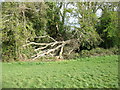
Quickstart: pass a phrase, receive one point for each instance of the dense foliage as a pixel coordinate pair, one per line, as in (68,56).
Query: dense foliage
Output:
(26,21)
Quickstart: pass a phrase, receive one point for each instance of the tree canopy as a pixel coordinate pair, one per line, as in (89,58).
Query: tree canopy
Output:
(31,30)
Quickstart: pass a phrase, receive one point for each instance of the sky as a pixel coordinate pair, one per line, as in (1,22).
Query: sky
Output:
(1,0)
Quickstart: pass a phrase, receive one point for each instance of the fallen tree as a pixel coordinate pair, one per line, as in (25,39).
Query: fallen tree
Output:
(52,49)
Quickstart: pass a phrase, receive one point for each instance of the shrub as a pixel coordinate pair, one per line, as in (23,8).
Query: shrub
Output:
(73,55)
(99,52)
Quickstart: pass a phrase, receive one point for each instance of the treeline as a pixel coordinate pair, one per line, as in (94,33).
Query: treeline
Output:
(31,30)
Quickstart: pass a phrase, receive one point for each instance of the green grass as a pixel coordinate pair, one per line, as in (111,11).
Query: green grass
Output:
(94,72)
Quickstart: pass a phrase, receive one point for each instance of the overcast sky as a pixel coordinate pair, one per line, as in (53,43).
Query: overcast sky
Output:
(1,0)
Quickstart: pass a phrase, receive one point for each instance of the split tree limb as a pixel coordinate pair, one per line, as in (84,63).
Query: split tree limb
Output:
(49,49)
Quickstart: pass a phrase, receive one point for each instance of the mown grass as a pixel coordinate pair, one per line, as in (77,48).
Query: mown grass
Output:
(94,72)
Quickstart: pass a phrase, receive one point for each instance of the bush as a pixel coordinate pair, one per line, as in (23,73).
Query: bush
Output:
(73,55)
(99,52)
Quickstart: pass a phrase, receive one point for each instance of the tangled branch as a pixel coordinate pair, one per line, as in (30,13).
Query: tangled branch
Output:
(49,49)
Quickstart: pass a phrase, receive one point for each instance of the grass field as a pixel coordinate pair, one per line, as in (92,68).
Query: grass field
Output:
(94,72)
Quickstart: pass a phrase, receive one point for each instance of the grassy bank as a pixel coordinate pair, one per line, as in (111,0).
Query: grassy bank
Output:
(94,72)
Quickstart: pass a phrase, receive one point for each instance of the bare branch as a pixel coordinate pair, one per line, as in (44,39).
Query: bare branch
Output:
(46,36)
(61,52)
(43,47)
(33,43)
(49,49)
(51,38)
(70,51)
